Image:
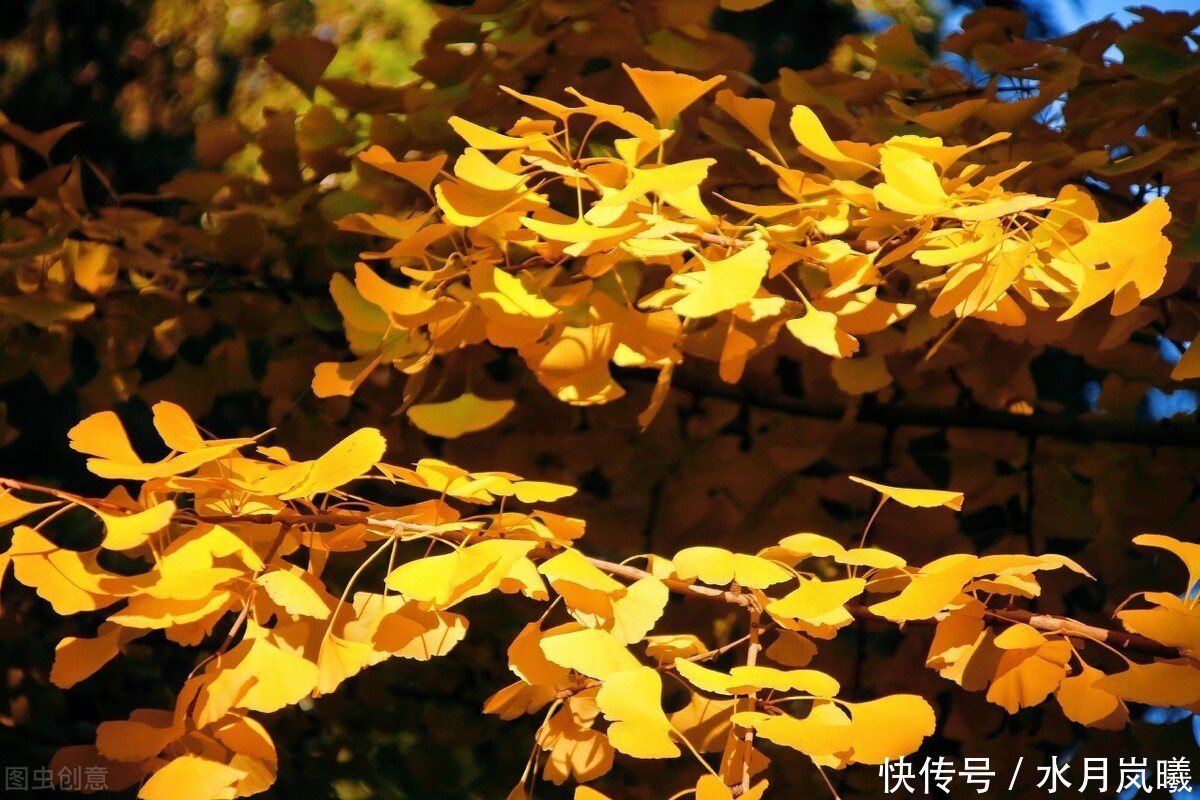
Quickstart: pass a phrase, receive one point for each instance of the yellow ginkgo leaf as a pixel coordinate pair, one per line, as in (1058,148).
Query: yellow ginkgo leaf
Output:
(930,591)
(754,113)
(598,601)
(1082,702)
(574,750)
(812,736)
(747,679)
(405,305)
(814,600)
(541,491)
(340,659)
(176,428)
(297,592)
(503,296)
(1019,636)
(191,777)
(812,137)
(237,676)
(71,581)
(724,284)
(133,530)
(911,184)
(419,173)
(590,651)
(632,701)
(1025,677)
(466,413)
(667,647)
(13,508)
(78,658)
(445,580)
(719,567)
(819,330)
(1172,621)
(476,168)
(711,787)
(485,139)
(1187,552)
(581,237)
(144,735)
(890,727)
(668,93)
(417,633)
(102,435)
(861,375)
(1188,366)
(350,458)
(1160,683)
(916,498)
(791,649)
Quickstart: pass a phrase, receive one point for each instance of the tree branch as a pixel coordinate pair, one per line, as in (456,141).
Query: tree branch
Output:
(1045,623)
(1087,429)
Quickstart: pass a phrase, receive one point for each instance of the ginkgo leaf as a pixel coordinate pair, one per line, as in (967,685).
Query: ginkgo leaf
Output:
(340,659)
(102,435)
(1025,677)
(1187,552)
(916,498)
(179,432)
(1160,683)
(541,491)
(1172,621)
(71,581)
(574,750)
(911,184)
(754,113)
(350,458)
(930,591)
(13,508)
(297,592)
(791,649)
(419,634)
(711,787)
(190,777)
(668,93)
(1019,636)
(812,736)
(814,599)
(814,140)
(667,647)
(133,530)
(749,679)
(1082,702)
(144,735)
(819,330)
(890,727)
(465,414)
(418,173)
(632,701)
(1188,366)
(724,284)
(590,651)
(719,567)
(445,580)
(77,658)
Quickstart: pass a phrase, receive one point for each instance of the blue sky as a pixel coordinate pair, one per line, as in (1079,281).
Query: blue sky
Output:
(1074,13)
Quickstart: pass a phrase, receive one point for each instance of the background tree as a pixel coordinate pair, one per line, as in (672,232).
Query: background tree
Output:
(797,294)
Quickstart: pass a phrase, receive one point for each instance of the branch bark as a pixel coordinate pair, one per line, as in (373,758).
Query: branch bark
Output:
(1056,426)
(1045,623)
